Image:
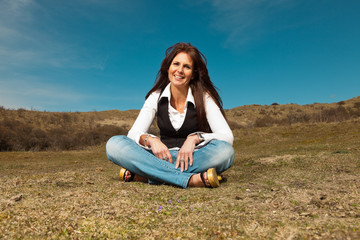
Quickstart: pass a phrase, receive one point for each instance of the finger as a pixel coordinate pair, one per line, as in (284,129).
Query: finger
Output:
(187,163)
(191,160)
(159,155)
(182,163)
(177,162)
(163,155)
(169,157)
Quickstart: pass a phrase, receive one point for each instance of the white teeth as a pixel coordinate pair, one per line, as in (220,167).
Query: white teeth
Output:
(179,77)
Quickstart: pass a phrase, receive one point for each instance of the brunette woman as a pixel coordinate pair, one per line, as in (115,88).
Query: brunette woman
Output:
(195,142)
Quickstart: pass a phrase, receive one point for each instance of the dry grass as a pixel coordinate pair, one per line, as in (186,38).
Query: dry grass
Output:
(288,182)
(24,130)
(265,115)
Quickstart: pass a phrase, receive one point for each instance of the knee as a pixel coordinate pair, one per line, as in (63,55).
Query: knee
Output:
(229,151)
(226,151)
(114,145)
(225,148)
(226,154)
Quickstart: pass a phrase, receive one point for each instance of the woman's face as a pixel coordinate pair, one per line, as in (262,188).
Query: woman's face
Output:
(181,70)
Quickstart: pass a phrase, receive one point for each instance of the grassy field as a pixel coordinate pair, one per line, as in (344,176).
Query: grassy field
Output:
(288,182)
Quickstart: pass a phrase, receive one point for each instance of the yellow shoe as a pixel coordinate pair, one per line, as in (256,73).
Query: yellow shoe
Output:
(122,175)
(212,178)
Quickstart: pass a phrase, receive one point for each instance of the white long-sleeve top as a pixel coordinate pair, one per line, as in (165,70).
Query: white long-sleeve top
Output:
(218,125)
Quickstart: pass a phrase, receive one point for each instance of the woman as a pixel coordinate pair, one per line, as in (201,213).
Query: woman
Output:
(195,141)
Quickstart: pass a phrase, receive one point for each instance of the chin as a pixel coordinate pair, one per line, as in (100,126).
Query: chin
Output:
(177,84)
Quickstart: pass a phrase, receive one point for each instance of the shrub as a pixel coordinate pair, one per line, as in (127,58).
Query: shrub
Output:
(262,112)
(18,136)
(354,113)
(5,138)
(234,125)
(297,117)
(265,121)
(335,114)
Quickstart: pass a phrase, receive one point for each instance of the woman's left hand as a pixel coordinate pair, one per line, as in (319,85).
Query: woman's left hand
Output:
(186,152)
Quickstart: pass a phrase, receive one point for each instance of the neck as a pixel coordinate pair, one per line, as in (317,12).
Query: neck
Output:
(178,97)
(179,94)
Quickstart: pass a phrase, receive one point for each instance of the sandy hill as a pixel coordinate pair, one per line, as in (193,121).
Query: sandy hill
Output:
(27,129)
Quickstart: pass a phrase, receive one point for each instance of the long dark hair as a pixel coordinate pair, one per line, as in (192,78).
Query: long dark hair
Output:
(199,84)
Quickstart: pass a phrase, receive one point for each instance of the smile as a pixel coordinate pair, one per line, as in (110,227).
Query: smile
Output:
(178,77)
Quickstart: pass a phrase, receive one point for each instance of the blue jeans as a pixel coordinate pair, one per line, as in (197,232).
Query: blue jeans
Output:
(125,152)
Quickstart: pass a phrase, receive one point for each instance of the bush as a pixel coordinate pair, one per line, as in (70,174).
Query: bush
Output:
(18,136)
(265,121)
(297,117)
(335,114)
(357,105)
(234,125)
(5,138)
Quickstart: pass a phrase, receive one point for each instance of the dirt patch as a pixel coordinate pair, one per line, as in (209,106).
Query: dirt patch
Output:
(115,122)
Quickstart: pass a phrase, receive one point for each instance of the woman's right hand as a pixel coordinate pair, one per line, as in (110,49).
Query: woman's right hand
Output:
(159,149)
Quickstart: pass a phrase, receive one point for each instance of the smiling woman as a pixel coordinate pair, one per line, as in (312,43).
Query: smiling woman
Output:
(195,141)
(180,71)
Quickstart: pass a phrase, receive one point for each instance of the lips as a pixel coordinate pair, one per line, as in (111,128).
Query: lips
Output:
(179,77)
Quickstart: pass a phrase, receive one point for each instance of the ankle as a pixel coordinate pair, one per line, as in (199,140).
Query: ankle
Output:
(127,175)
(195,181)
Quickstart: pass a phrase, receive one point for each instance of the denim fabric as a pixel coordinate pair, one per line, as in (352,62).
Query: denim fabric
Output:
(125,152)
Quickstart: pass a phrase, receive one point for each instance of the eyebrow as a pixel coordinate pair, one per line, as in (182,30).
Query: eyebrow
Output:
(187,64)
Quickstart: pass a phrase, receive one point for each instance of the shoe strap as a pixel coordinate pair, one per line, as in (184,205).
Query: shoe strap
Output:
(203,180)
(132,175)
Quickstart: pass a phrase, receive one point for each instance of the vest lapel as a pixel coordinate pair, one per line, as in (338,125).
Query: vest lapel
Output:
(189,115)
(164,108)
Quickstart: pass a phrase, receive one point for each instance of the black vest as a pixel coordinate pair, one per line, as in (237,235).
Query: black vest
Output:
(169,136)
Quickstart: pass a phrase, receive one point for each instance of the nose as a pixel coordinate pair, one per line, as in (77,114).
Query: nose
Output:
(180,69)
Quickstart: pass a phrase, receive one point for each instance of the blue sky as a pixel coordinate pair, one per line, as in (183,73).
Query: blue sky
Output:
(85,55)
